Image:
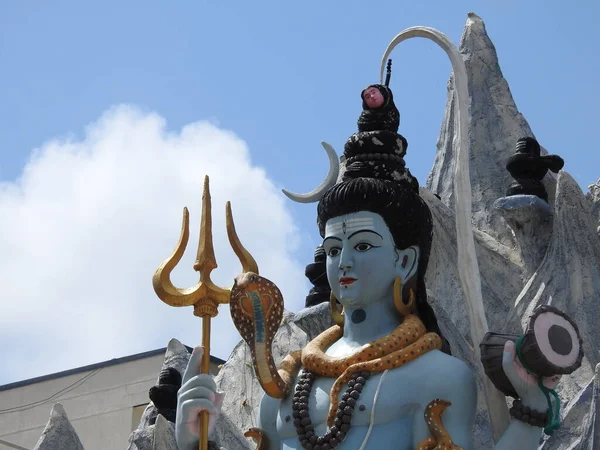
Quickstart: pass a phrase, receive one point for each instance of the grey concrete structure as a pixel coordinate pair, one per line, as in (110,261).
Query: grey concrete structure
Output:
(91,407)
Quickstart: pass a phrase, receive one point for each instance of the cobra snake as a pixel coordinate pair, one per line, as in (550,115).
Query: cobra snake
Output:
(440,439)
(259,436)
(256,306)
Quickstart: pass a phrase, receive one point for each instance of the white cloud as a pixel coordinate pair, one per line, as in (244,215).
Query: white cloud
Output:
(88,222)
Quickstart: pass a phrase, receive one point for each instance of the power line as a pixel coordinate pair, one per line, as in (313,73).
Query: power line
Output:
(11,445)
(65,390)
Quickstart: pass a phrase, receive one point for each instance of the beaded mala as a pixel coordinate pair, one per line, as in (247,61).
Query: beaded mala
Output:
(341,425)
(528,415)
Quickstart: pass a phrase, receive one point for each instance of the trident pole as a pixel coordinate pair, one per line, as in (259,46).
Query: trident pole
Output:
(205,296)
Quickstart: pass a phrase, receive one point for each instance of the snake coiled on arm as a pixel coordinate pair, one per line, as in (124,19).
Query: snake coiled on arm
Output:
(440,438)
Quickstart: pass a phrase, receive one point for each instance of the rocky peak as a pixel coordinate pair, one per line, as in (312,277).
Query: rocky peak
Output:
(59,433)
(495,126)
(594,196)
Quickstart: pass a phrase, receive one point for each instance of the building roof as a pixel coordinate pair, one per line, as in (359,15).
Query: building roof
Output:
(110,362)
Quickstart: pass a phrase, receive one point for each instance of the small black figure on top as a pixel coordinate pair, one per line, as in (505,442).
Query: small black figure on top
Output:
(528,168)
(164,394)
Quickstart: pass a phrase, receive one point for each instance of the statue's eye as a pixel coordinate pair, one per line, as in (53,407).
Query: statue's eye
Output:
(334,251)
(363,247)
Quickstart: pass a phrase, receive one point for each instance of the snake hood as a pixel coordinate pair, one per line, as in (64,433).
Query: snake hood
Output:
(244,280)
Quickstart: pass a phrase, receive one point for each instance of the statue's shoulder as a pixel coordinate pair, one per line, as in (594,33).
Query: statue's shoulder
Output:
(439,358)
(439,367)
(451,367)
(439,375)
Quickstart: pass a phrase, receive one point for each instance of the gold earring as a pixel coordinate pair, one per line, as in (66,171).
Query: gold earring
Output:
(336,314)
(403,306)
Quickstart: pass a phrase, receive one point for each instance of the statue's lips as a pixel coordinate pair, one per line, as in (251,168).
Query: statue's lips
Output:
(346,281)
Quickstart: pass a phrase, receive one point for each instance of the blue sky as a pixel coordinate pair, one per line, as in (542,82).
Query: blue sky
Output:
(283,76)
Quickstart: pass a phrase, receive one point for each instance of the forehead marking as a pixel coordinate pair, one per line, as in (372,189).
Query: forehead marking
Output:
(350,225)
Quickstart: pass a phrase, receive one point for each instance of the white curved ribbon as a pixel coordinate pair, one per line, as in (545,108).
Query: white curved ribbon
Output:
(468,268)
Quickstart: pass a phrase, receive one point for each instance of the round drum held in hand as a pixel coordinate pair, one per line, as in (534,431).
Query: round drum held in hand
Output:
(550,346)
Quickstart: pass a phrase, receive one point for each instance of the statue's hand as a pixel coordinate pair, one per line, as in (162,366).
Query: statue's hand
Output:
(198,392)
(524,382)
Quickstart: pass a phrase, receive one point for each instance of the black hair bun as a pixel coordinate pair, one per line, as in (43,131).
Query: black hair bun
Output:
(377,150)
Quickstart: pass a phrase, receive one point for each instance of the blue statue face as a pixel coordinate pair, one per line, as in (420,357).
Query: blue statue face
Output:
(362,259)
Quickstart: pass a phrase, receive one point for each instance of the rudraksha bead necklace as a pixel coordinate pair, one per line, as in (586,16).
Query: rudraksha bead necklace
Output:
(530,416)
(336,434)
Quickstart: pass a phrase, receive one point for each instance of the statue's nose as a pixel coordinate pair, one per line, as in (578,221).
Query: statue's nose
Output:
(345,260)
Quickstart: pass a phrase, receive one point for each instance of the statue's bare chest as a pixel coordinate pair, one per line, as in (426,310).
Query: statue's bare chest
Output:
(374,404)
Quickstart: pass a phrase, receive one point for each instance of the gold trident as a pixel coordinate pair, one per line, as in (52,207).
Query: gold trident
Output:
(204,296)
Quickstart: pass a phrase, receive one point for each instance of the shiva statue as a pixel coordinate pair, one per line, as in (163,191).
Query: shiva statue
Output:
(383,377)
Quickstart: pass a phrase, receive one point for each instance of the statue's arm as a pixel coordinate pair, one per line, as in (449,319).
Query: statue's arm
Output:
(458,419)
(267,420)
(462,393)
(520,434)
(459,388)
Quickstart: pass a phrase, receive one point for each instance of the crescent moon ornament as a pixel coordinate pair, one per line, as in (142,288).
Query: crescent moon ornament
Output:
(316,194)
(468,267)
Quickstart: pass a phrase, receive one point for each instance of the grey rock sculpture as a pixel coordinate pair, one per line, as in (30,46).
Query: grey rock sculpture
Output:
(164,434)
(530,219)
(528,255)
(142,438)
(590,435)
(176,357)
(500,267)
(569,277)
(580,419)
(159,436)
(313,320)
(594,197)
(496,124)
(59,433)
